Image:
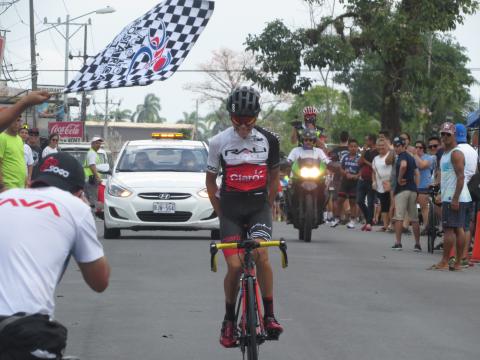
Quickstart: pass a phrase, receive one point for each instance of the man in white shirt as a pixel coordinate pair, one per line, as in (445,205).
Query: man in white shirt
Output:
(471,161)
(92,176)
(33,258)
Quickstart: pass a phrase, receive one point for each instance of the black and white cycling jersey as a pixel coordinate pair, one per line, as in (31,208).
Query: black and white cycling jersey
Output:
(245,162)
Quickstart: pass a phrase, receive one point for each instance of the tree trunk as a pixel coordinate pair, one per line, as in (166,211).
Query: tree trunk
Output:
(391,103)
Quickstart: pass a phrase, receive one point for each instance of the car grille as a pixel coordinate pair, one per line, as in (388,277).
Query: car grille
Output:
(150,216)
(156,196)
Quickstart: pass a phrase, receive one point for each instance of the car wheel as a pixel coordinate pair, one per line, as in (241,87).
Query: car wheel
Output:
(215,234)
(110,233)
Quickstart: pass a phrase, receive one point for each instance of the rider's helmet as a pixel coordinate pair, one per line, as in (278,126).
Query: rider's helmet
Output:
(244,101)
(310,112)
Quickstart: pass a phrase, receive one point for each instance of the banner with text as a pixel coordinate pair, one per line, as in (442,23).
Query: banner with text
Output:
(69,131)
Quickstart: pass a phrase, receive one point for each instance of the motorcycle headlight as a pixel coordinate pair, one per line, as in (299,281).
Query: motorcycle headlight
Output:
(203,193)
(117,190)
(310,173)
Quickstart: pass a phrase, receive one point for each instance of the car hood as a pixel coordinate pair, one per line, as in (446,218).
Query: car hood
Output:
(138,180)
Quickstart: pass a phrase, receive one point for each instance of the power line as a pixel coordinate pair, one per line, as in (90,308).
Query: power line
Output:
(213,70)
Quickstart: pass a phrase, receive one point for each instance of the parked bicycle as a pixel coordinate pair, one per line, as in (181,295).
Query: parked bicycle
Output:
(433,229)
(248,316)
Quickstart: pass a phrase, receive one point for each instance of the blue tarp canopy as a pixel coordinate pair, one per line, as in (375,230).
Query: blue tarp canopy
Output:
(473,119)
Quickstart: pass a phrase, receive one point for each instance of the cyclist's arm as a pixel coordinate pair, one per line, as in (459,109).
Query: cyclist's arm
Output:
(96,273)
(10,114)
(212,189)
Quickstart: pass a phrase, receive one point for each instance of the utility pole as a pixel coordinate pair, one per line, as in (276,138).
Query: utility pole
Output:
(33,60)
(107,102)
(83,112)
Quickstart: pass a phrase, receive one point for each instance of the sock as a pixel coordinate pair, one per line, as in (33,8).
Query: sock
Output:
(268,306)
(229,312)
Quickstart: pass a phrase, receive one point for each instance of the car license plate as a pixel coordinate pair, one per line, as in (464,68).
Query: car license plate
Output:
(164,207)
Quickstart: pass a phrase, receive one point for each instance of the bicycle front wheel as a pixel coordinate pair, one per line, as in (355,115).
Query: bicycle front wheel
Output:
(252,345)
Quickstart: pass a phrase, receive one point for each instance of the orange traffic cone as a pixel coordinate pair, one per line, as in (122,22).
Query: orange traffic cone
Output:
(476,246)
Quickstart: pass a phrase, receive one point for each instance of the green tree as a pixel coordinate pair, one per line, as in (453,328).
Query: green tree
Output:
(201,127)
(392,30)
(149,111)
(121,115)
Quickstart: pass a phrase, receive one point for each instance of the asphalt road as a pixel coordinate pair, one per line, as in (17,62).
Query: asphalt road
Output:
(345,296)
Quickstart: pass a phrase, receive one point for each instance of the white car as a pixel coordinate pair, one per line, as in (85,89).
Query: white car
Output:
(159,184)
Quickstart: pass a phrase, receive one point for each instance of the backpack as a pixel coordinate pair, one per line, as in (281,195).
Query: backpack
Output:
(20,334)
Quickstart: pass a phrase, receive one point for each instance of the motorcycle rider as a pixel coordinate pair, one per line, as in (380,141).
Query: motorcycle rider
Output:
(306,151)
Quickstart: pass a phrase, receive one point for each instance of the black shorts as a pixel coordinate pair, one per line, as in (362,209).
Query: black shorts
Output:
(454,219)
(348,189)
(244,209)
(384,201)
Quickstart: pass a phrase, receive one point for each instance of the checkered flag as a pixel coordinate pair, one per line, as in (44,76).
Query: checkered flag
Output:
(148,49)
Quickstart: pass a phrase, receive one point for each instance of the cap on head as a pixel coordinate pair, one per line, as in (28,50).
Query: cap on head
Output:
(398,140)
(460,133)
(61,170)
(97,138)
(447,127)
(310,134)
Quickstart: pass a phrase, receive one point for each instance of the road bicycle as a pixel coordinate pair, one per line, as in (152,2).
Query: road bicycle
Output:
(433,228)
(248,316)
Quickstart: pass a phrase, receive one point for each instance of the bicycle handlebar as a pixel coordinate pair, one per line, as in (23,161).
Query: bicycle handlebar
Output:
(214,247)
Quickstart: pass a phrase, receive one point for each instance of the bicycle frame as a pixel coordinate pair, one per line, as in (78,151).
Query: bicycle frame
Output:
(250,320)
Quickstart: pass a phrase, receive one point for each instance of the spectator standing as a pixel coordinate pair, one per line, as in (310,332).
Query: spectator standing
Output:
(382,172)
(350,170)
(364,185)
(27,152)
(336,155)
(455,197)
(13,172)
(92,176)
(435,148)
(471,161)
(405,193)
(426,164)
(52,147)
(34,142)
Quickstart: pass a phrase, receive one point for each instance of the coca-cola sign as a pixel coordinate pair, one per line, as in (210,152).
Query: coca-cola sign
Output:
(67,130)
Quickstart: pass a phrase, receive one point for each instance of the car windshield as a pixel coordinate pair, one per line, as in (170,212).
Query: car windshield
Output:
(142,159)
(80,155)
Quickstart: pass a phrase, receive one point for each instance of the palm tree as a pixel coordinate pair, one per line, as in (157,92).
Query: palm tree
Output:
(121,115)
(201,128)
(149,110)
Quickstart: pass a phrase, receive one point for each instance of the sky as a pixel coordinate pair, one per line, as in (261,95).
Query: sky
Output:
(229,26)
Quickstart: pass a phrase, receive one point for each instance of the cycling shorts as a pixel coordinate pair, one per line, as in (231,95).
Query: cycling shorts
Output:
(242,213)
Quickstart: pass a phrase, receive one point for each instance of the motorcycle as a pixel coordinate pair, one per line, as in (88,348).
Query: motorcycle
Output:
(306,196)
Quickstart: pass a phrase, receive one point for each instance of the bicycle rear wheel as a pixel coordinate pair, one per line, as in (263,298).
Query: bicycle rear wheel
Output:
(432,222)
(252,344)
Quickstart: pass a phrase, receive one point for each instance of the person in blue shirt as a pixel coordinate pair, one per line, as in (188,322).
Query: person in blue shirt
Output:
(350,171)
(426,164)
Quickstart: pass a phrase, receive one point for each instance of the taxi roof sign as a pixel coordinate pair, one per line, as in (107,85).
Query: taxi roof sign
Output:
(159,135)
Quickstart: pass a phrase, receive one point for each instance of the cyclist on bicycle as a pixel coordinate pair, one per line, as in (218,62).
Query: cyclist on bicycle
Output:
(248,157)
(43,226)
(309,122)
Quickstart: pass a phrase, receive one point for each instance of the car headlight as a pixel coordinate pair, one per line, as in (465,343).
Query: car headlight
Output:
(203,193)
(117,190)
(310,173)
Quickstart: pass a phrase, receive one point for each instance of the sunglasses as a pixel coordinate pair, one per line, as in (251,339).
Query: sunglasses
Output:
(433,146)
(308,140)
(419,147)
(33,134)
(445,134)
(54,140)
(243,120)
